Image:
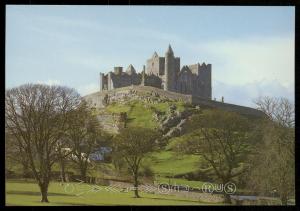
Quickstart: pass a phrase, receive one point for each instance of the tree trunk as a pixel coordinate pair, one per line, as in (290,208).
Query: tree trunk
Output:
(62,172)
(26,172)
(284,200)
(136,185)
(44,191)
(83,174)
(227,199)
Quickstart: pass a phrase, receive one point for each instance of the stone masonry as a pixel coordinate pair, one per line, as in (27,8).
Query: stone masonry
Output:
(163,73)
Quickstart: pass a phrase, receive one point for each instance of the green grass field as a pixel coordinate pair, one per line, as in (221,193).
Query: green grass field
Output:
(168,163)
(27,193)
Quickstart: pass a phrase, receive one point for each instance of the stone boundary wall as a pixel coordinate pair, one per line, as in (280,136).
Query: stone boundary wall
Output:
(227,107)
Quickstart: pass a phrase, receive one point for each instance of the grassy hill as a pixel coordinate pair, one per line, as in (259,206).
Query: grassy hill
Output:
(164,162)
(167,165)
(140,114)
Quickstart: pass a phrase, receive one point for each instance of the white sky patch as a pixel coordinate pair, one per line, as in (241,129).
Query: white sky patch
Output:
(88,89)
(50,82)
(244,69)
(239,62)
(246,93)
(85,62)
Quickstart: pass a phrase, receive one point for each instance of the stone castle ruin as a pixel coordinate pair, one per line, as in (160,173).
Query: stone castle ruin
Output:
(161,80)
(163,73)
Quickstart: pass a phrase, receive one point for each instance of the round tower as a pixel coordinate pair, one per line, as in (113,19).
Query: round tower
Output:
(169,67)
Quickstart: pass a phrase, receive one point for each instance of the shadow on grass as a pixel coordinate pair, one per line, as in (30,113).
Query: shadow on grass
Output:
(32,193)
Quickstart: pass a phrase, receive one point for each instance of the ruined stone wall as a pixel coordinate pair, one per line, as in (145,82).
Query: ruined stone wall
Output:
(164,73)
(96,99)
(123,79)
(119,95)
(177,65)
(152,80)
(194,68)
(201,80)
(161,66)
(227,107)
(204,78)
(105,82)
(152,66)
(185,81)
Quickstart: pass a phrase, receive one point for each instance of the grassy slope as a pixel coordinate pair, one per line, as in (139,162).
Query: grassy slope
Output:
(164,163)
(21,193)
(168,163)
(140,113)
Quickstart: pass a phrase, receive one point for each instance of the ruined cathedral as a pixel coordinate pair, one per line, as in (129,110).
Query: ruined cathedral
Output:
(164,73)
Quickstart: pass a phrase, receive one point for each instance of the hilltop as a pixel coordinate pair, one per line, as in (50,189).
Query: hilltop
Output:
(156,95)
(151,107)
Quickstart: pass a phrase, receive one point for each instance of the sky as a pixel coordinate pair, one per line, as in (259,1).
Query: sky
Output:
(251,49)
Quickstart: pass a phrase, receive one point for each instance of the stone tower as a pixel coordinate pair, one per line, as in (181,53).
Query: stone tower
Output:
(143,76)
(101,81)
(169,70)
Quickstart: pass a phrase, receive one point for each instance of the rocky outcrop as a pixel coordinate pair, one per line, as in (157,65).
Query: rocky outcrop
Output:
(112,122)
(173,124)
(146,94)
(154,95)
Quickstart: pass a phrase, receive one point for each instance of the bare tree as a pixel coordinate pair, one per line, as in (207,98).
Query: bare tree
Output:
(36,116)
(274,168)
(62,155)
(14,154)
(223,140)
(132,145)
(84,136)
(279,110)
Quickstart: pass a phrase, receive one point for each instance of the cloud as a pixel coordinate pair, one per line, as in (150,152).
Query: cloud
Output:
(253,59)
(50,82)
(102,28)
(88,89)
(44,31)
(246,93)
(244,69)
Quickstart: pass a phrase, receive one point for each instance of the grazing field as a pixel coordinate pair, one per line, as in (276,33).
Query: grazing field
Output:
(20,192)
